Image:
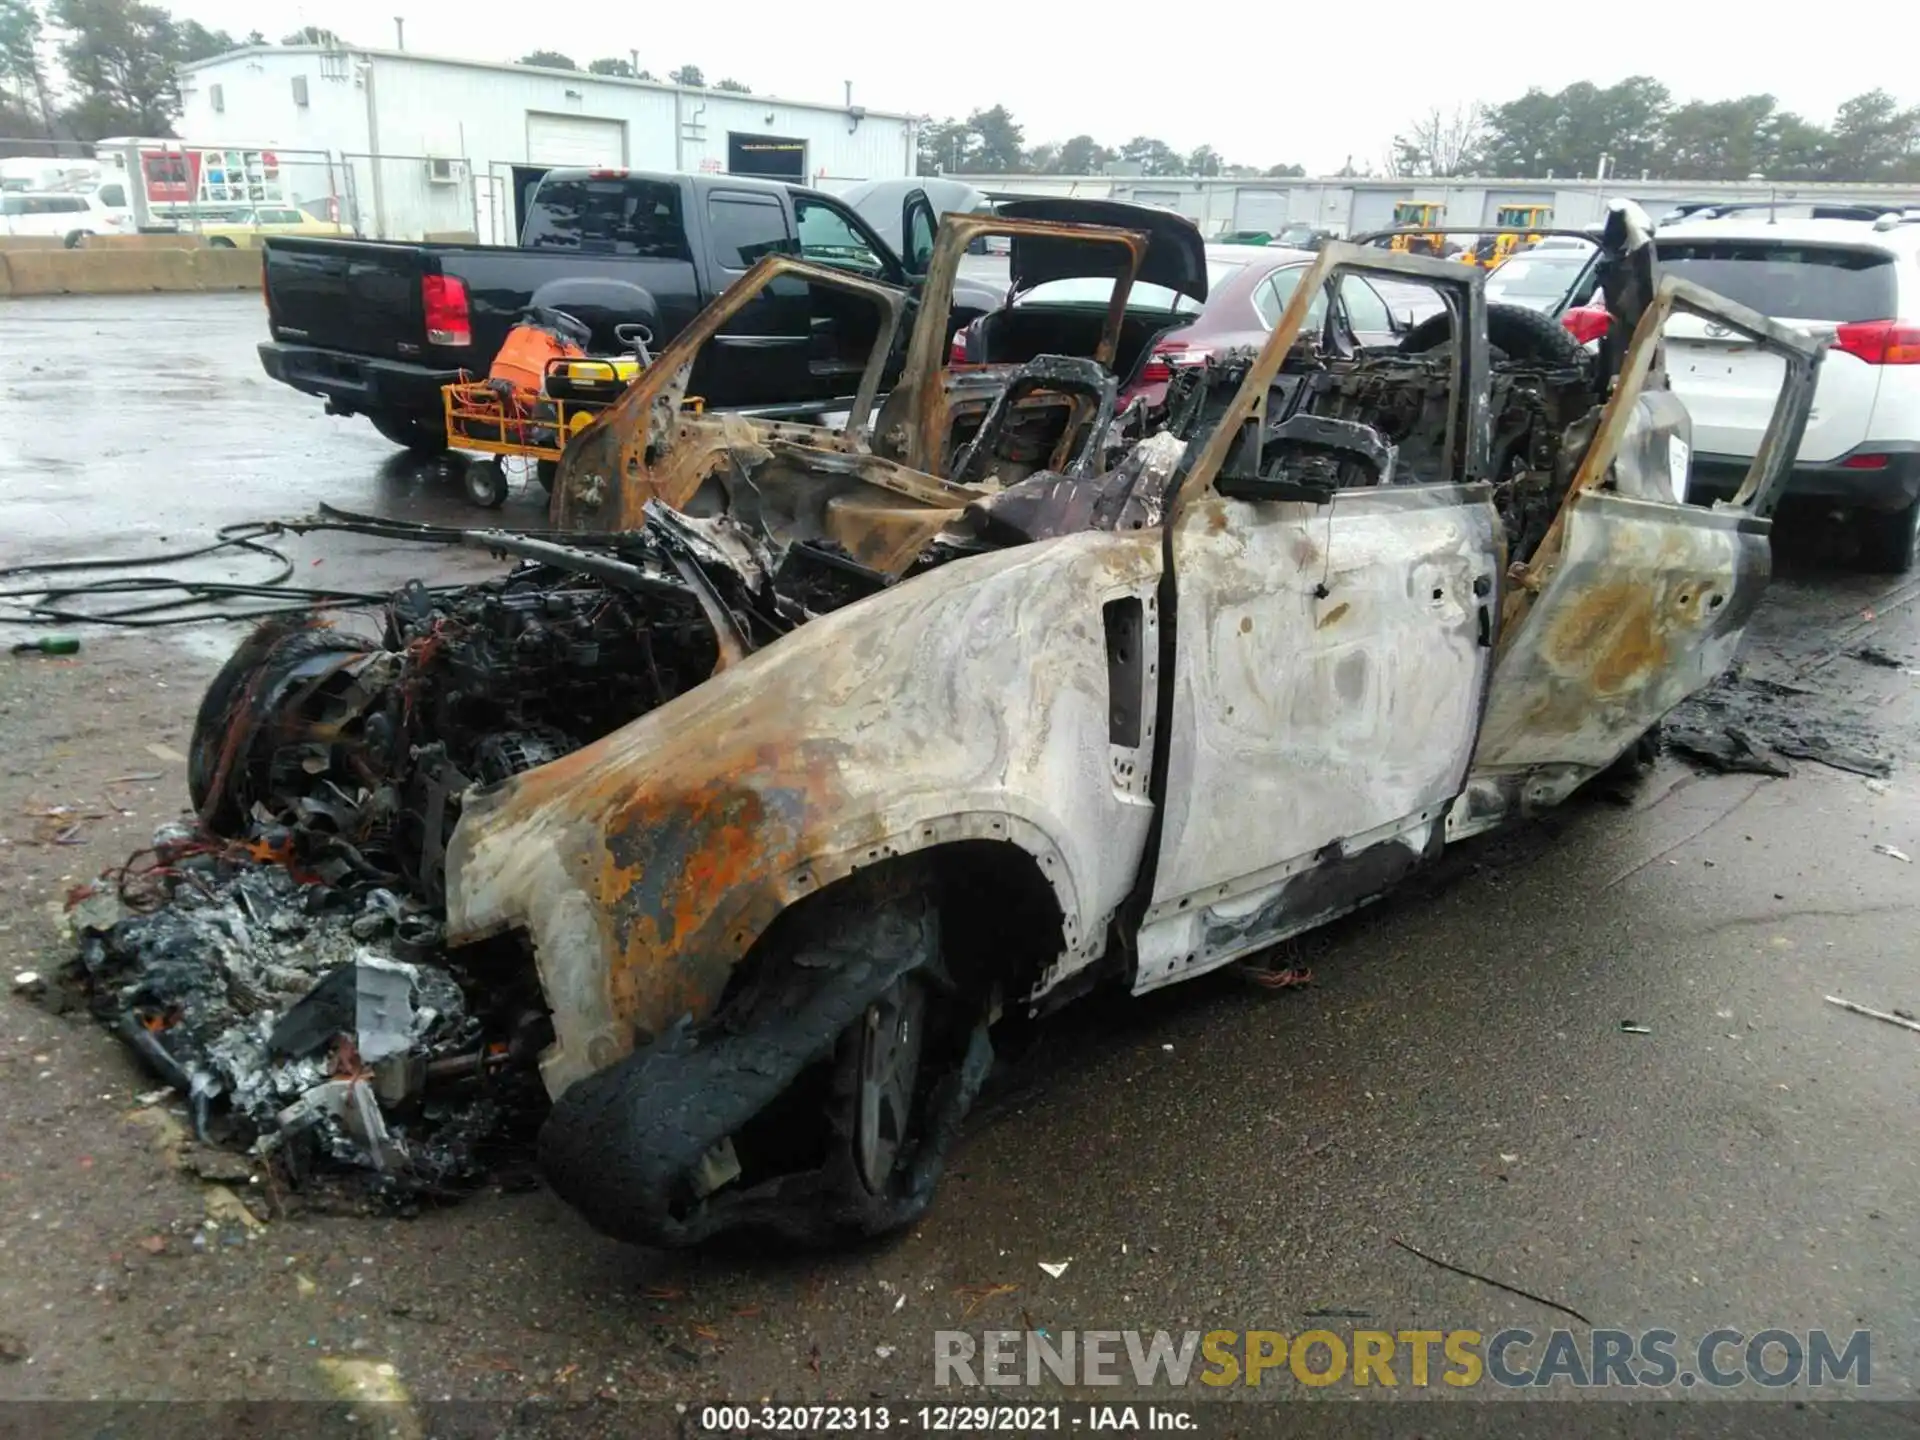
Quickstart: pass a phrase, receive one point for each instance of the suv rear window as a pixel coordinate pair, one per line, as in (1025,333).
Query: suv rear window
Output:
(639,218)
(1789,282)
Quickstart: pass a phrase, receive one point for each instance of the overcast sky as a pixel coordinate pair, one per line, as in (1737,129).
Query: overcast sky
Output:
(1262,83)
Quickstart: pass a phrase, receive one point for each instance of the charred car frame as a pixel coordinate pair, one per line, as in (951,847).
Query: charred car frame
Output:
(813,751)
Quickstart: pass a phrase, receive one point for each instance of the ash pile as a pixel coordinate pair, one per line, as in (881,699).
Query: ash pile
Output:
(317,1025)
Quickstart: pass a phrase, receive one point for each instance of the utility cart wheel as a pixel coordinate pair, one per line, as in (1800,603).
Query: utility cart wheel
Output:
(486,482)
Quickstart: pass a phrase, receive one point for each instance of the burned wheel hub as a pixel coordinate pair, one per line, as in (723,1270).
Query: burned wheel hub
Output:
(889,1069)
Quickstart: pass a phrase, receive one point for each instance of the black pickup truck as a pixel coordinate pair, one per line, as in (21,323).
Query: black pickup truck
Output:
(376,328)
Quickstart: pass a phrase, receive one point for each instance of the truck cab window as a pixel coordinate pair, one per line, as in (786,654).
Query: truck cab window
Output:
(828,238)
(744,228)
(636,218)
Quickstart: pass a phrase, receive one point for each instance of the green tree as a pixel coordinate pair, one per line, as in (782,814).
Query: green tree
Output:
(1041,159)
(1720,139)
(315,35)
(548,60)
(1154,157)
(199,43)
(120,56)
(1000,140)
(254,37)
(1565,134)
(1205,161)
(1282,171)
(1082,155)
(1873,138)
(621,69)
(688,75)
(733,86)
(947,148)
(21,68)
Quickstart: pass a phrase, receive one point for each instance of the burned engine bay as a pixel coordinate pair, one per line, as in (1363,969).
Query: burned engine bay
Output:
(284,966)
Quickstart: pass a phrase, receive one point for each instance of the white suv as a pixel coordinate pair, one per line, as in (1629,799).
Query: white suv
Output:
(69,215)
(1853,282)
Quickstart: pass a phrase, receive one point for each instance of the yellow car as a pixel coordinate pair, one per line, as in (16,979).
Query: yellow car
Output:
(245,228)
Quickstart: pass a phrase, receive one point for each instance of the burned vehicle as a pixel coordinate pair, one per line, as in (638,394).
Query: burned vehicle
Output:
(805,755)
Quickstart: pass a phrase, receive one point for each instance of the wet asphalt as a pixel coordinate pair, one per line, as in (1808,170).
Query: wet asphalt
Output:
(1455,1077)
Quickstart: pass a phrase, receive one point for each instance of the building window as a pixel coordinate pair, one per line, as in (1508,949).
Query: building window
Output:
(217,97)
(300,90)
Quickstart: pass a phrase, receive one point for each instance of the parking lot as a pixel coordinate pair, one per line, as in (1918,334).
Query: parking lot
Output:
(1589,1058)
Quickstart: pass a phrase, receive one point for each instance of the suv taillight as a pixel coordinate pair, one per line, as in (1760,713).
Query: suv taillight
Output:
(444,298)
(1880,342)
(1587,323)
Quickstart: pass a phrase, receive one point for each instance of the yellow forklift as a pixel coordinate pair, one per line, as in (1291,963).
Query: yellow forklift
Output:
(1517,227)
(1413,216)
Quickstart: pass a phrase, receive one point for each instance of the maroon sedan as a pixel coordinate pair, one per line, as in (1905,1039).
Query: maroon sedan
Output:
(1248,286)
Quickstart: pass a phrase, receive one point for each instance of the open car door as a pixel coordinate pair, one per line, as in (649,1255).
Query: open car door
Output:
(1634,599)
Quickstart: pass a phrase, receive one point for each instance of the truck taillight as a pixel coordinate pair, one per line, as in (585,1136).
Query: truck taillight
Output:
(1880,342)
(444,298)
(1587,323)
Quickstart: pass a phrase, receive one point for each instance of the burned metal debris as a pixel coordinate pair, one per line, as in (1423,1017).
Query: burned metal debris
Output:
(315,1025)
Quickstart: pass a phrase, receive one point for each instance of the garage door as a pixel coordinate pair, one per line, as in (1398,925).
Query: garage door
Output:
(1260,210)
(575,140)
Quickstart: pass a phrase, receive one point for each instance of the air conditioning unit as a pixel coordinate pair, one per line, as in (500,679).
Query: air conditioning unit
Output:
(442,171)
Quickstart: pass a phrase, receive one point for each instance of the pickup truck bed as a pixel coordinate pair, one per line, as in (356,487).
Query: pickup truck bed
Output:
(376,328)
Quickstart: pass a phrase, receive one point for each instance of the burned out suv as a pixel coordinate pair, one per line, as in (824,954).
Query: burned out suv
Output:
(811,754)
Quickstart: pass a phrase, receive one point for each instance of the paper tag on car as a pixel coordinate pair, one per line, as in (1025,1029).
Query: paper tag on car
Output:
(1678,453)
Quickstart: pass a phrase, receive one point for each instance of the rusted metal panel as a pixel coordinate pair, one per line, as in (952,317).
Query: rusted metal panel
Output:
(969,704)
(916,423)
(1629,604)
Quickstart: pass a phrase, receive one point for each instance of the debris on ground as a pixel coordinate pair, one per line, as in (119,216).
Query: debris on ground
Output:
(1634,1027)
(310,1024)
(1489,1280)
(1055,1268)
(1745,723)
(1893,854)
(1874,655)
(1905,1022)
(1728,752)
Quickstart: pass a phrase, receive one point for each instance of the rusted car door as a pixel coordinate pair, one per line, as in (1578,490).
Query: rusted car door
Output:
(1327,677)
(1633,600)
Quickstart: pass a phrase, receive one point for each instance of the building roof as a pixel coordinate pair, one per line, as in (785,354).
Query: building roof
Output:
(580,75)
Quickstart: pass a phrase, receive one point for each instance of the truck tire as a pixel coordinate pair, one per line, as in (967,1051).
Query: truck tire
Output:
(414,433)
(1520,334)
(1887,539)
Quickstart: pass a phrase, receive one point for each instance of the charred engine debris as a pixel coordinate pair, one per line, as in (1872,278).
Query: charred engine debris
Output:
(320,1026)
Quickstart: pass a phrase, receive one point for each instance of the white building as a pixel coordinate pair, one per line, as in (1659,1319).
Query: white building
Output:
(1348,206)
(408,145)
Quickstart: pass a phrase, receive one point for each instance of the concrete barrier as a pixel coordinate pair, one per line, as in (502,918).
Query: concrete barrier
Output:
(218,269)
(452,237)
(144,242)
(129,272)
(31,242)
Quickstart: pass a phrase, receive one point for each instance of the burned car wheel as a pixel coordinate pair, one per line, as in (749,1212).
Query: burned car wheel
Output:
(817,1103)
(880,1062)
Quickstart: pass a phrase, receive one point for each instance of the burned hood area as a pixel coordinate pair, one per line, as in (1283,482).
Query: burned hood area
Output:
(285,962)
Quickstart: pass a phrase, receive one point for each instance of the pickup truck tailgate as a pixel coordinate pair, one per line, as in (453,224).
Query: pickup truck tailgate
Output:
(360,296)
